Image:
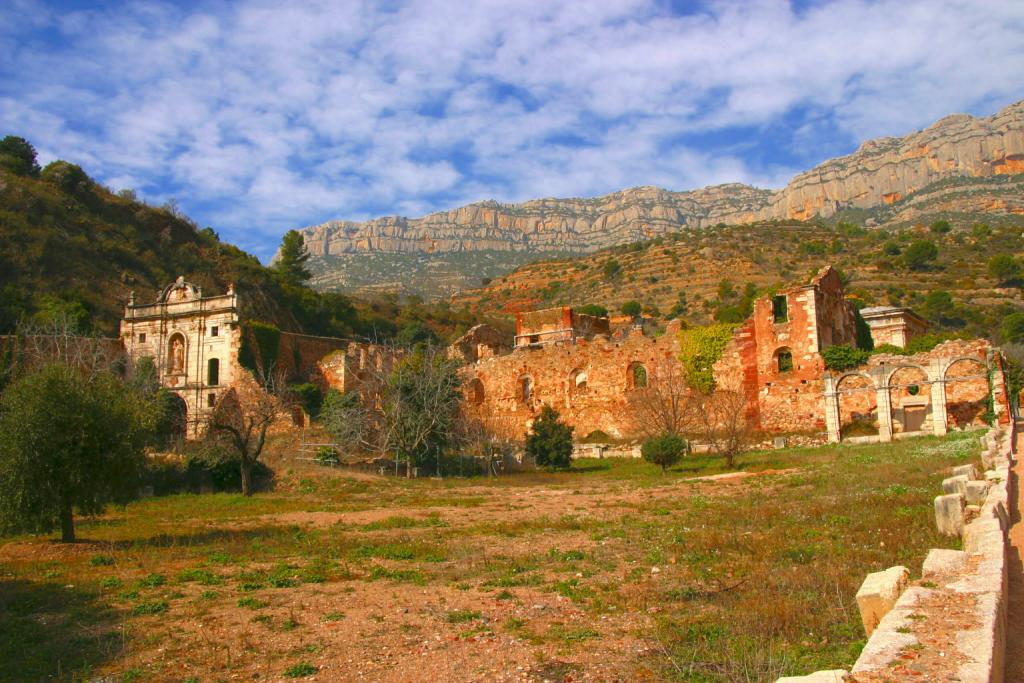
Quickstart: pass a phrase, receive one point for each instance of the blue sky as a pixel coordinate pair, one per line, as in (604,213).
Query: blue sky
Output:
(257,117)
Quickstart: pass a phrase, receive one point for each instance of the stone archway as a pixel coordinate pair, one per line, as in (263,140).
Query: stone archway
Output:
(910,399)
(857,399)
(178,416)
(968,394)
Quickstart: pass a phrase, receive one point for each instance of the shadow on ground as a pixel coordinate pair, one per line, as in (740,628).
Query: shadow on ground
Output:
(53,632)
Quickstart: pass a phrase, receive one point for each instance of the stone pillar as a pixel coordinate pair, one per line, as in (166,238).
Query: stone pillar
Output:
(831,409)
(884,412)
(939,416)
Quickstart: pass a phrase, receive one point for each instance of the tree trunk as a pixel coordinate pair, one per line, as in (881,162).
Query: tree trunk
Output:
(246,477)
(67,524)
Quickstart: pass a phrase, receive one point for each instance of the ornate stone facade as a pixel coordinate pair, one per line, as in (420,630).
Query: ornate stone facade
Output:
(193,341)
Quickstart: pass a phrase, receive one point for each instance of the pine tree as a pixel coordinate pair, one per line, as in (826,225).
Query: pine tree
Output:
(291,261)
(550,440)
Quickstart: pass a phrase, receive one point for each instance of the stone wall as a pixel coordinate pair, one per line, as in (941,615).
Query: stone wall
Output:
(775,359)
(953,620)
(591,382)
(299,355)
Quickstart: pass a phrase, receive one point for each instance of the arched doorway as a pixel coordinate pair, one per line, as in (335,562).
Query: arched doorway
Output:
(910,399)
(178,416)
(636,376)
(475,391)
(858,406)
(967,393)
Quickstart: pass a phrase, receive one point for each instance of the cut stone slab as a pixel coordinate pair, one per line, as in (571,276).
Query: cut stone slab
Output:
(976,491)
(879,593)
(949,514)
(832,676)
(942,562)
(957,484)
(968,471)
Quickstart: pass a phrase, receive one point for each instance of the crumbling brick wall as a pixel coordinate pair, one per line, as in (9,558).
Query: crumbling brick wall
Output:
(775,358)
(590,382)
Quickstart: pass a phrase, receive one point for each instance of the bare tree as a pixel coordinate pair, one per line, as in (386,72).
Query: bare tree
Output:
(420,407)
(722,419)
(57,339)
(242,417)
(665,405)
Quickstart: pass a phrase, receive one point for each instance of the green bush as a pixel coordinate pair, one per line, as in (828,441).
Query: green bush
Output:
(920,254)
(326,455)
(593,309)
(309,397)
(665,450)
(550,440)
(844,357)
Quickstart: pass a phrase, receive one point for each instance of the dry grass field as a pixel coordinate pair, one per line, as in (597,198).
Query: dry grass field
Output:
(609,572)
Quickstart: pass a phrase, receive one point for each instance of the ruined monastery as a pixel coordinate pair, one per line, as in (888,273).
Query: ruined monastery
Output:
(595,376)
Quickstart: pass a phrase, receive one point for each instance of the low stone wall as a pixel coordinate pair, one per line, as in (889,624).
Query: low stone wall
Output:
(950,625)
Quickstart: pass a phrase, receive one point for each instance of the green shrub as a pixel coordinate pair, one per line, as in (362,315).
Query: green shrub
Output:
(550,440)
(844,357)
(309,397)
(327,456)
(664,450)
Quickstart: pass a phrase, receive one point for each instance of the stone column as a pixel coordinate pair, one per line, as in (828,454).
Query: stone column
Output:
(939,415)
(884,412)
(831,409)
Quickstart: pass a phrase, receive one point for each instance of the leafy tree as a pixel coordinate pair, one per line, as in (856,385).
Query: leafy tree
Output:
(67,443)
(726,290)
(842,357)
(920,254)
(891,248)
(414,333)
(420,405)
(1012,328)
(593,309)
(242,417)
(940,227)
(938,305)
(631,308)
(612,269)
(345,418)
(18,156)
(665,450)
(68,177)
(550,440)
(1004,268)
(292,257)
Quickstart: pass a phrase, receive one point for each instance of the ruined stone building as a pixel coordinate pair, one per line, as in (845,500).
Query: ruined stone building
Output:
(892,325)
(193,341)
(594,378)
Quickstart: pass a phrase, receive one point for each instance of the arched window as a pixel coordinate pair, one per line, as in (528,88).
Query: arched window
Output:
(526,388)
(577,381)
(176,355)
(213,372)
(636,376)
(475,392)
(784,360)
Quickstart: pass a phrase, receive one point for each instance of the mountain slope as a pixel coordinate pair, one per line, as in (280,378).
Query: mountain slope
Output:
(888,173)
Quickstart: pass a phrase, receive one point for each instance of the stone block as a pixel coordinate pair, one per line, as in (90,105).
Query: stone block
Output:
(832,676)
(968,471)
(942,562)
(949,514)
(879,593)
(975,492)
(957,484)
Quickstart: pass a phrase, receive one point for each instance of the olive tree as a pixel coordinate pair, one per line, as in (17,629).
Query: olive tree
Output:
(68,442)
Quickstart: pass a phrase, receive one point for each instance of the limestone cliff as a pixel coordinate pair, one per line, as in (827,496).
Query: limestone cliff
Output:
(882,172)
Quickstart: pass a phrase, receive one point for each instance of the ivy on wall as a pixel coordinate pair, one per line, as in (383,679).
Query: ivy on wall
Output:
(259,348)
(700,348)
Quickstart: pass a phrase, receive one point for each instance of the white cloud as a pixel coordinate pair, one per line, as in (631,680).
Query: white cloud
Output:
(260,117)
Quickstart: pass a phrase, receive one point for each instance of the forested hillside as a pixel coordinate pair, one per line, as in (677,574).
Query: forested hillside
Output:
(70,245)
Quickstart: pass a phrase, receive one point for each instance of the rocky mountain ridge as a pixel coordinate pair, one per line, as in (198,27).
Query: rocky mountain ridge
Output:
(881,172)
